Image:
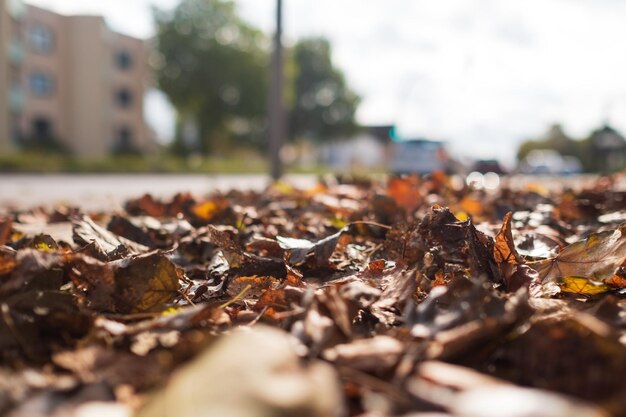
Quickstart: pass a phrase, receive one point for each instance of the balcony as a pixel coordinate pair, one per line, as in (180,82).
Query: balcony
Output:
(16,52)
(16,8)
(16,98)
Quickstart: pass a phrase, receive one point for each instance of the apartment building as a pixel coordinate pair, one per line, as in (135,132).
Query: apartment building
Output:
(72,81)
(11,99)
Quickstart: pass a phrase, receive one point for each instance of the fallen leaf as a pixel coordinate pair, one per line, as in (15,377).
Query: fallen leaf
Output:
(504,247)
(570,353)
(252,372)
(7,260)
(578,285)
(377,354)
(460,242)
(616,281)
(512,266)
(471,206)
(6,225)
(299,249)
(145,283)
(94,282)
(596,258)
(207,211)
(512,401)
(406,192)
(45,243)
(86,231)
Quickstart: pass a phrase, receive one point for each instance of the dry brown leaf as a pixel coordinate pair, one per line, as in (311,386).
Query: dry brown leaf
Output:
(597,258)
(145,283)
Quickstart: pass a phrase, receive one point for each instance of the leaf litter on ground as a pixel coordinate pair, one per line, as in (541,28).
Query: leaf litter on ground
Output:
(409,297)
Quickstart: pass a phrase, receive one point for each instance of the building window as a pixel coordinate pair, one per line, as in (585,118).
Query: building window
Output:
(41,38)
(125,137)
(41,84)
(124,142)
(124,97)
(124,60)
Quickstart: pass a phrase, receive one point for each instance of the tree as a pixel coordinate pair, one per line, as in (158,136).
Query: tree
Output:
(554,139)
(323,106)
(604,150)
(213,68)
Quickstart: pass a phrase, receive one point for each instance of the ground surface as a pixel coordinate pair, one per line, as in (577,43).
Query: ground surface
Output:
(408,297)
(110,191)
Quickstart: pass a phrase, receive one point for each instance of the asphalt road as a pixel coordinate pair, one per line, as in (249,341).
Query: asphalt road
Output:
(107,192)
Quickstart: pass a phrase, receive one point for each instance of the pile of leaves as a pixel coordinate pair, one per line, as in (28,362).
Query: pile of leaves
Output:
(413,296)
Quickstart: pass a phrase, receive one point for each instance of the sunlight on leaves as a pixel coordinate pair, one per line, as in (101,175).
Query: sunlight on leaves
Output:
(579,285)
(504,248)
(597,257)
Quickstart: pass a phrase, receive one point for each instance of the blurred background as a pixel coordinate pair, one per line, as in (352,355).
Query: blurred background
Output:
(398,86)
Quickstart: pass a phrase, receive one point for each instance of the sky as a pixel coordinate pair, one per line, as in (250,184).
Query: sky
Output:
(483,75)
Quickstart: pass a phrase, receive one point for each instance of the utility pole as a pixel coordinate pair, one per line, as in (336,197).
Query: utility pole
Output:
(277,127)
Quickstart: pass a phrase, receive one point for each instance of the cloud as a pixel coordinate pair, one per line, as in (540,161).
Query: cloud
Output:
(483,74)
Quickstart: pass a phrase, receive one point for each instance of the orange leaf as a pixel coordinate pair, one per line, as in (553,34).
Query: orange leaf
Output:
(504,248)
(207,210)
(616,281)
(471,206)
(405,192)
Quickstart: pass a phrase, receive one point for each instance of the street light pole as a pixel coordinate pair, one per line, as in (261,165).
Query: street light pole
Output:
(277,118)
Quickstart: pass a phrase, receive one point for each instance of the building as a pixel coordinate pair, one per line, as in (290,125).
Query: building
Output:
(608,150)
(11,99)
(70,82)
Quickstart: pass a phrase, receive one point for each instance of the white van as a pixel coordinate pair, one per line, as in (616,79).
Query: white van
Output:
(418,156)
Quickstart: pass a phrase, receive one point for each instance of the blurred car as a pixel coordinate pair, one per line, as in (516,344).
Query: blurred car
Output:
(549,162)
(488,165)
(419,156)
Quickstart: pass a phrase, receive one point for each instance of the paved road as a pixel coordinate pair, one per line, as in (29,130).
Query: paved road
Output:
(93,192)
(107,192)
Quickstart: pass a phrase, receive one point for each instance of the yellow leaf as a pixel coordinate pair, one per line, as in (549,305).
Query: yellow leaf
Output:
(44,243)
(283,187)
(338,223)
(462,216)
(579,285)
(171,311)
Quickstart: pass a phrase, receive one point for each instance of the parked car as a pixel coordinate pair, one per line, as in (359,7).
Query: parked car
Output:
(549,162)
(488,165)
(419,156)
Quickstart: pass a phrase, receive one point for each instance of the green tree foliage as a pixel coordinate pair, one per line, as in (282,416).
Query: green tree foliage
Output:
(323,106)
(213,68)
(604,150)
(555,139)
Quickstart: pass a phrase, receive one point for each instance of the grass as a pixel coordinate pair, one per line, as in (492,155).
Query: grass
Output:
(55,163)
(241,163)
